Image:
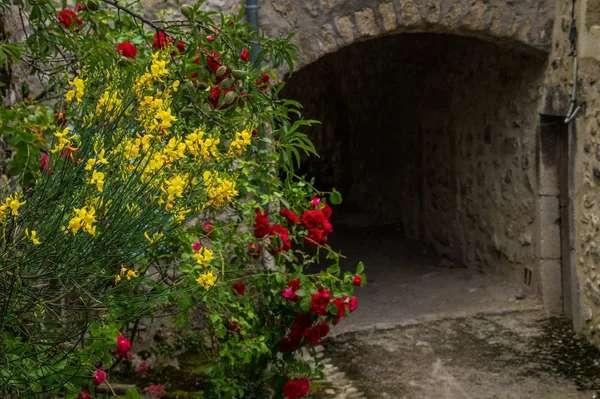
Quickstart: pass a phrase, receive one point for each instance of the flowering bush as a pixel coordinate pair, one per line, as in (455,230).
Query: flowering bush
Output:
(146,190)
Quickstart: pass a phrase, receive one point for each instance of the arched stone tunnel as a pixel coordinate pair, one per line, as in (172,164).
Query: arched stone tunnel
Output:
(432,136)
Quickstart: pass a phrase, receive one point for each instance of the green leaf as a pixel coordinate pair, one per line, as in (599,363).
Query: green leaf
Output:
(333,309)
(335,197)
(305,304)
(132,393)
(360,268)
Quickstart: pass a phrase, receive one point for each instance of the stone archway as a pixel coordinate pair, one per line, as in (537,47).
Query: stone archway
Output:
(434,135)
(325,26)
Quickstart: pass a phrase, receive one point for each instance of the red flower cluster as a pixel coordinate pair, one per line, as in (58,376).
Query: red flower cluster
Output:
(156,390)
(123,346)
(316,221)
(291,217)
(296,389)
(290,292)
(239,288)
(84,394)
(320,301)
(127,50)
(262,227)
(263,83)
(244,55)
(282,244)
(68,17)
(142,368)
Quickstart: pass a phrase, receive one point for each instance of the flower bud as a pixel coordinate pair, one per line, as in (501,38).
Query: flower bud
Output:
(221,71)
(187,11)
(229,97)
(238,74)
(225,84)
(92,5)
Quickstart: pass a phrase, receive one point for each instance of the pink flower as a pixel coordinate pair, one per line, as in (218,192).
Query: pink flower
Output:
(290,294)
(142,368)
(208,227)
(244,55)
(357,281)
(99,377)
(156,390)
(196,246)
(210,38)
(316,201)
(353,304)
(123,346)
(45,164)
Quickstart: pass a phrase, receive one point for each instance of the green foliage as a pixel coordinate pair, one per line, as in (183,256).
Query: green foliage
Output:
(114,172)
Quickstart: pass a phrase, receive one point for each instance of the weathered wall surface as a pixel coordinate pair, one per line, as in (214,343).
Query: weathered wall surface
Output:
(436,133)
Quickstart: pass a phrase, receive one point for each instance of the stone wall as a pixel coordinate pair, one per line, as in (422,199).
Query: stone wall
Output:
(436,134)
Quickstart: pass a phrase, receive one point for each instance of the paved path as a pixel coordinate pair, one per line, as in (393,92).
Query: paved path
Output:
(425,330)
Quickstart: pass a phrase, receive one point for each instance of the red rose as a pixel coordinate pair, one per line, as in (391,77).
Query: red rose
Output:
(262,227)
(123,346)
(99,377)
(79,7)
(353,304)
(287,345)
(294,284)
(313,219)
(316,237)
(244,55)
(315,202)
(181,47)
(323,329)
(327,212)
(341,306)
(357,281)
(67,17)
(239,288)
(296,333)
(313,335)
(304,320)
(295,389)
(284,236)
(291,217)
(320,301)
(254,250)
(127,50)
(84,394)
(161,40)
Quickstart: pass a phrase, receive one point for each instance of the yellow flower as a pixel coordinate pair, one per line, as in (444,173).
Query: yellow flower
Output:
(92,162)
(203,256)
(207,280)
(238,146)
(176,86)
(123,270)
(174,150)
(98,179)
(32,236)
(175,187)
(130,274)
(155,237)
(84,218)
(219,190)
(109,102)
(117,278)
(70,95)
(14,204)
(64,141)
(79,89)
